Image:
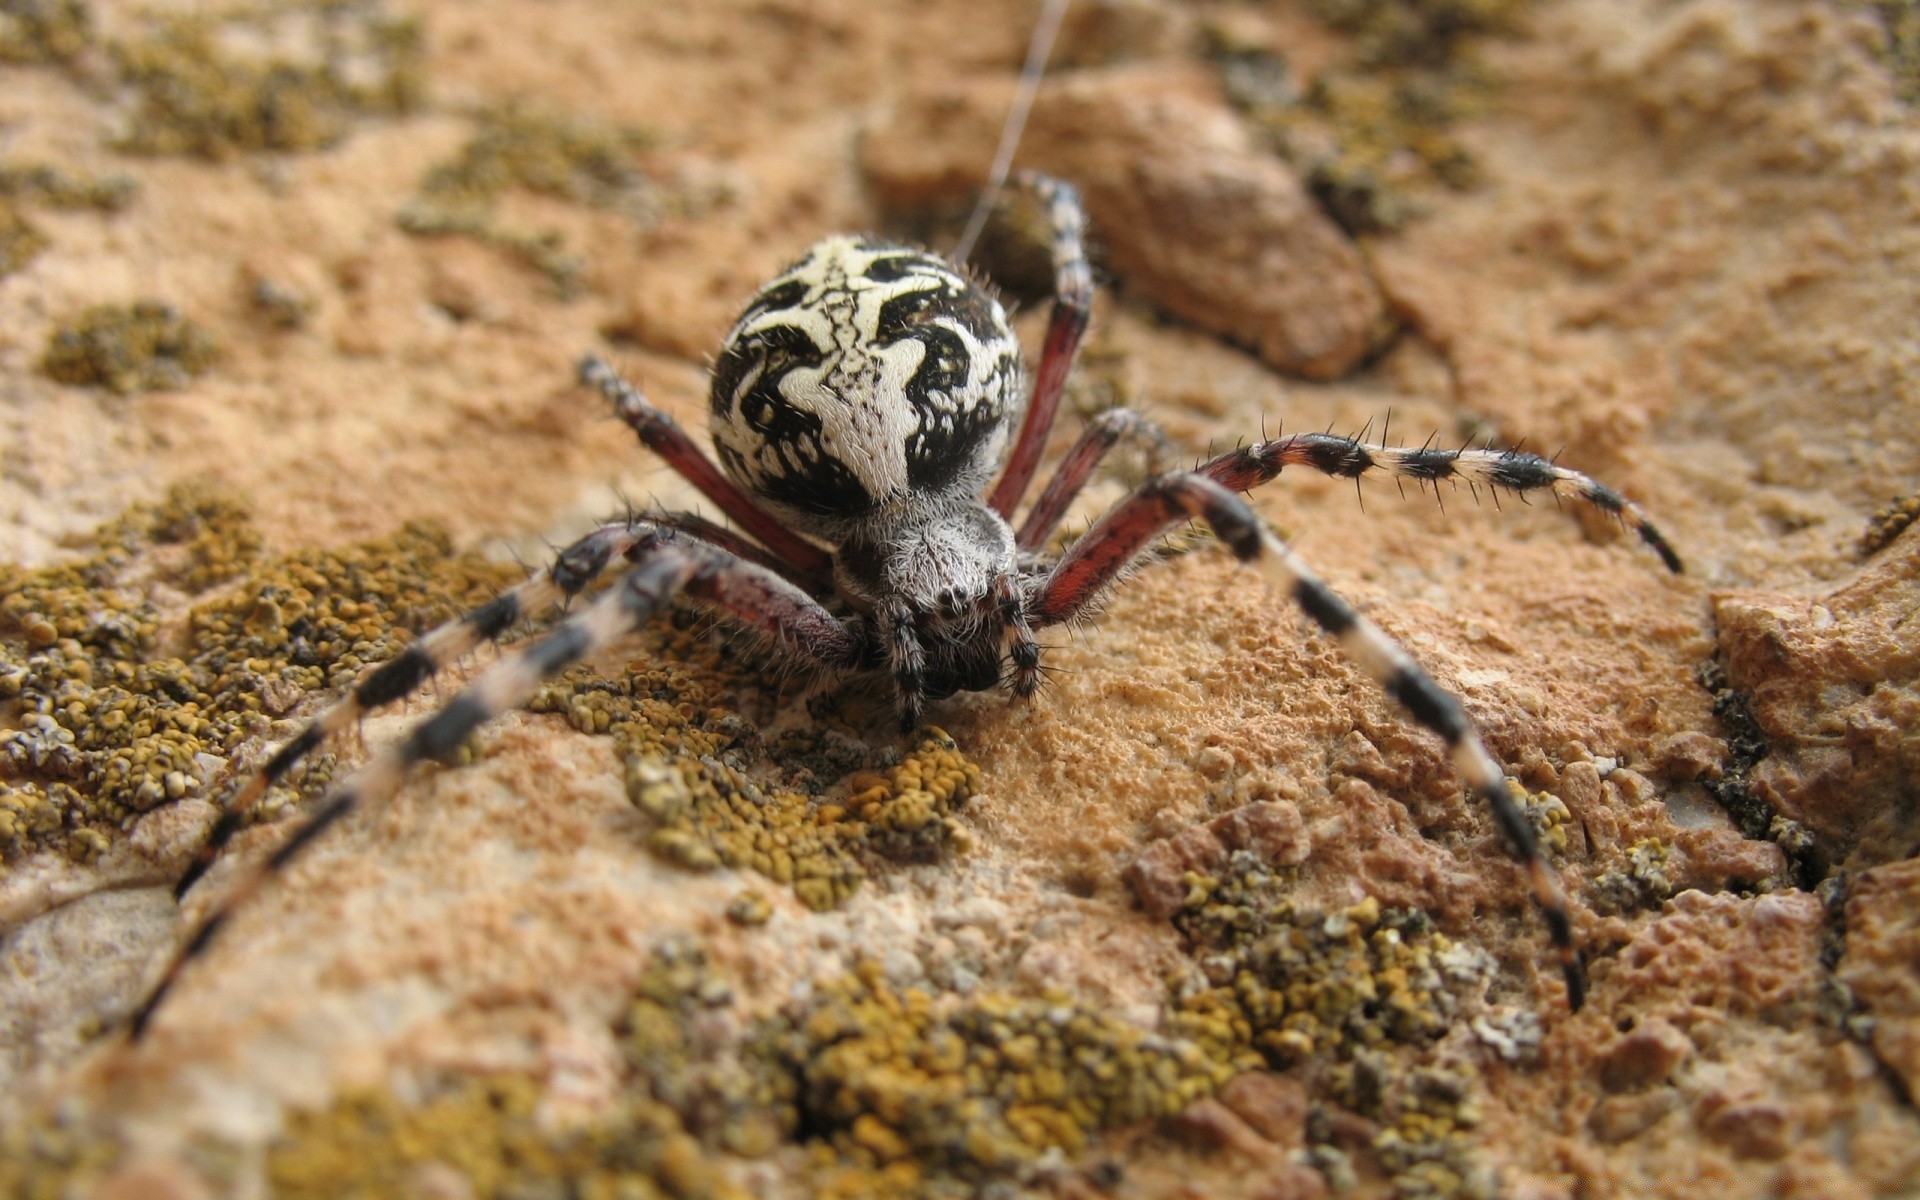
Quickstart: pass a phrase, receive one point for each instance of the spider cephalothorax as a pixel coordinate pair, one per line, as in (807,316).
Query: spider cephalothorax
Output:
(860,407)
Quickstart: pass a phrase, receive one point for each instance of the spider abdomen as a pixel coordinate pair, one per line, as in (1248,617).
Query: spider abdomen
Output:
(864,374)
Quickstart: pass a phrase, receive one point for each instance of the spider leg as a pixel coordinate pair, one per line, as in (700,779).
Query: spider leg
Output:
(758,597)
(816,585)
(1073,299)
(907,659)
(574,568)
(1499,470)
(663,435)
(1112,544)
(1022,650)
(1100,436)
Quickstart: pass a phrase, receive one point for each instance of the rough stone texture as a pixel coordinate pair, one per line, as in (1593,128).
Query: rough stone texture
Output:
(1834,682)
(1186,209)
(1690,267)
(1273,833)
(1882,964)
(1157,873)
(1711,954)
(1274,1105)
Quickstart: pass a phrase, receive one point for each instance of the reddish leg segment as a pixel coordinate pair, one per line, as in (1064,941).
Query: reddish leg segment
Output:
(1073,298)
(664,437)
(1102,434)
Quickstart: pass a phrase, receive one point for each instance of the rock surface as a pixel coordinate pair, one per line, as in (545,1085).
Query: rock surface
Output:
(1687,265)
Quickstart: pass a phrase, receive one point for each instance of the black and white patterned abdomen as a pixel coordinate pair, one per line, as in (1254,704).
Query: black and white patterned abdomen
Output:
(865,373)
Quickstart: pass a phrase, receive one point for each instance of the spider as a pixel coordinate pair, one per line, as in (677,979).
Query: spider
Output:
(859,409)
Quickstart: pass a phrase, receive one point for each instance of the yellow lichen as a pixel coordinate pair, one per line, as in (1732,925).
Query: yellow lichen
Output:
(44,1158)
(750,908)
(547,153)
(1375,125)
(707,813)
(20,240)
(910,1087)
(1361,990)
(56,187)
(1890,521)
(43,31)
(1643,879)
(146,346)
(1546,812)
(106,725)
(1900,23)
(215,87)
(488,1135)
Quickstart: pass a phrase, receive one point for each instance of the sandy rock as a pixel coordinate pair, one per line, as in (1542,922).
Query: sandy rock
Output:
(1272,832)
(1834,683)
(1750,1128)
(1288,1181)
(1620,1118)
(1156,873)
(1689,266)
(1646,1055)
(1714,953)
(62,974)
(1275,1105)
(1721,857)
(1186,209)
(1214,1125)
(1882,963)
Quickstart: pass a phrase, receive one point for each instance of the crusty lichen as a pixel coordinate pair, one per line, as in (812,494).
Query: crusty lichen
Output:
(43,1157)
(1900,21)
(37,32)
(1546,813)
(486,1136)
(1645,879)
(540,151)
(20,239)
(118,701)
(145,346)
(909,1092)
(708,814)
(894,1093)
(687,759)
(489,1135)
(217,87)
(1427,1117)
(20,184)
(1376,126)
(1889,522)
(1273,986)
(58,187)
(1359,992)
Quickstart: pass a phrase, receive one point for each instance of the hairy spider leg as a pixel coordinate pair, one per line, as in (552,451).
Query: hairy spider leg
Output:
(905,658)
(1072,302)
(666,565)
(1023,652)
(1500,470)
(1101,435)
(663,435)
(1079,578)
(575,567)
(696,526)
